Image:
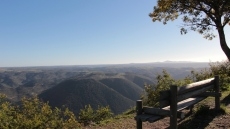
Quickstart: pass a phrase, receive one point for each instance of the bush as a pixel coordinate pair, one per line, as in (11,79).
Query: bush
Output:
(88,115)
(33,113)
(219,68)
(164,80)
(102,113)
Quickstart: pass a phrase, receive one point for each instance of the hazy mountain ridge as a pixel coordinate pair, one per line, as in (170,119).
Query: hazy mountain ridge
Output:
(16,84)
(124,83)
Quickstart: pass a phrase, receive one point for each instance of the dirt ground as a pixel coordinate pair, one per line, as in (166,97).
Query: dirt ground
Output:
(207,119)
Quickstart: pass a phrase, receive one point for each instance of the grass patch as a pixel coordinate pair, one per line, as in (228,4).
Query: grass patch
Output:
(115,120)
(224,109)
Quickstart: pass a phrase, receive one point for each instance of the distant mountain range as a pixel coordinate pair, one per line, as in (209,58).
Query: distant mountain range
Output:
(118,86)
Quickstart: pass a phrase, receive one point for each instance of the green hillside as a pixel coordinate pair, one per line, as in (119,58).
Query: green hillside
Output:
(139,80)
(75,94)
(124,87)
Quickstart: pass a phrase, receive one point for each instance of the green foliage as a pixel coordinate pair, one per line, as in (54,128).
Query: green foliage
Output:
(223,70)
(86,115)
(33,113)
(224,108)
(102,113)
(152,91)
(219,68)
(2,98)
(89,115)
(164,80)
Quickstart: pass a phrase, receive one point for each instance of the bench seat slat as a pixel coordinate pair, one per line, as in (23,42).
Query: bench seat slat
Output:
(180,106)
(186,103)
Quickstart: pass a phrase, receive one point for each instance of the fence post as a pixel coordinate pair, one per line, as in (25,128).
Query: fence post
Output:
(217,91)
(139,112)
(173,107)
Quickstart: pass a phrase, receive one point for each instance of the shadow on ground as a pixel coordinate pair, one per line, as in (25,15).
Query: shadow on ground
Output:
(226,100)
(200,119)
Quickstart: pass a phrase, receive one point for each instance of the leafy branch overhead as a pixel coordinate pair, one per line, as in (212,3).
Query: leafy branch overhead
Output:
(202,16)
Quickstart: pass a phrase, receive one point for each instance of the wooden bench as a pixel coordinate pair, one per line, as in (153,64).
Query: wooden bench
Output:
(173,101)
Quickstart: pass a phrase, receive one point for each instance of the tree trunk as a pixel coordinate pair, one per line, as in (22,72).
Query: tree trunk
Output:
(223,42)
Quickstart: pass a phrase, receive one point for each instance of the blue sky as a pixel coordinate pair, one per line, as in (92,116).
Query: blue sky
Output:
(83,32)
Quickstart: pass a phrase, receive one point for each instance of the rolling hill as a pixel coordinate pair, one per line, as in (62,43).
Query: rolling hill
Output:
(126,88)
(113,89)
(75,94)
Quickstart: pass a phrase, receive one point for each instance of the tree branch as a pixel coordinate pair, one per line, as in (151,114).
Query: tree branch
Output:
(203,24)
(201,9)
(223,6)
(226,22)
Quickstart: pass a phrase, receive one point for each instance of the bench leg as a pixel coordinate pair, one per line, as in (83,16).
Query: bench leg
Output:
(217,90)
(139,112)
(190,110)
(139,124)
(173,107)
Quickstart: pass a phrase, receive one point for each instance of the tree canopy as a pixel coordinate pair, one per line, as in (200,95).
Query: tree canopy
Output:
(202,16)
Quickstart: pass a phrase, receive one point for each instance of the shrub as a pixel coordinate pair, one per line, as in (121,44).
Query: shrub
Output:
(88,115)
(151,95)
(102,113)
(164,80)
(218,68)
(32,113)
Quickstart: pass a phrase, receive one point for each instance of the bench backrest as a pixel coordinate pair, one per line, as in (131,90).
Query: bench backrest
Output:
(188,91)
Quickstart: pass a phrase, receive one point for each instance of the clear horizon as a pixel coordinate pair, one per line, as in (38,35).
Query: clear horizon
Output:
(56,33)
(161,62)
